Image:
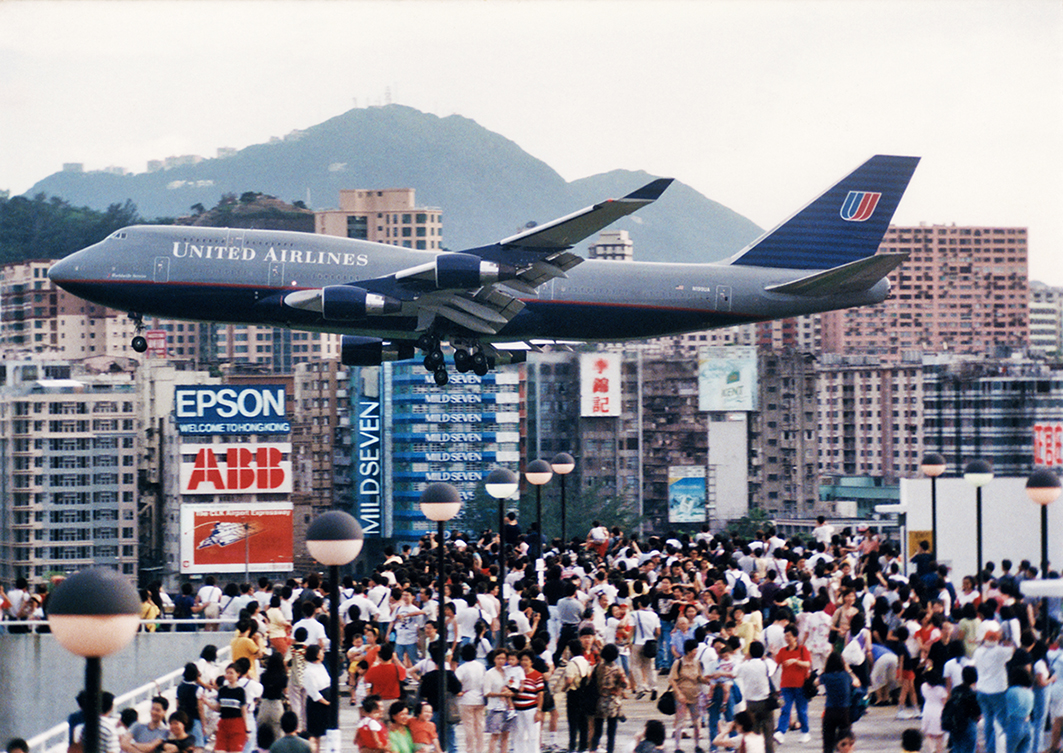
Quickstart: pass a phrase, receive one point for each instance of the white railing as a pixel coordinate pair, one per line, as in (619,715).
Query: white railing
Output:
(55,740)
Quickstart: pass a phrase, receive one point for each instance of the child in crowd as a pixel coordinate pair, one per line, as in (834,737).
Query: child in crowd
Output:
(371,736)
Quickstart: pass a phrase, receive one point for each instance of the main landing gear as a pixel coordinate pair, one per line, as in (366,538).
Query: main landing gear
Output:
(464,360)
(139,344)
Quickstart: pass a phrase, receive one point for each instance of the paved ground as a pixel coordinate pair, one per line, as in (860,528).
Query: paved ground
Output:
(877,732)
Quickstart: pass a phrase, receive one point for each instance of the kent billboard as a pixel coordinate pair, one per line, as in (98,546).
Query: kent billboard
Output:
(225,409)
(230,538)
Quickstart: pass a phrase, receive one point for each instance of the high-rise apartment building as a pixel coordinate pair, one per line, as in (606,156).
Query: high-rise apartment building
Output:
(870,417)
(612,245)
(38,317)
(388,215)
(962,290)
(68,475)
(1046,318)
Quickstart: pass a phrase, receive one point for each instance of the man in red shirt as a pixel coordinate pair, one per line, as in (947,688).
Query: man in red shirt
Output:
(385,678)
(796,661)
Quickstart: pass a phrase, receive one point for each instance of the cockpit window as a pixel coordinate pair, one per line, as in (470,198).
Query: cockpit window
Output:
(117,235)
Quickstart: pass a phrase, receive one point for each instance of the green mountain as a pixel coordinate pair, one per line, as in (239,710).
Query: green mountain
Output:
(487,186)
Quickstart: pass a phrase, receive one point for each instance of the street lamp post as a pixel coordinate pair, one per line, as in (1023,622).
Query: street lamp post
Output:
(562,465)
(1043,487)
(933,465)
(93,614)
(502,483)
(978,473)
(334,539)
(538,473)
(441,502)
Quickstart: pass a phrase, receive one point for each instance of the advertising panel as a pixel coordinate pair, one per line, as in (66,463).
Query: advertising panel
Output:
(1048,444)
(687,501)
(225,409)
(727,378)
(229,538)
(599,375)
(236,468)
(370,468)
(156,343)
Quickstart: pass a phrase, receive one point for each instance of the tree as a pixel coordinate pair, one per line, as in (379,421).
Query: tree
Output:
(51,228)
(748,525)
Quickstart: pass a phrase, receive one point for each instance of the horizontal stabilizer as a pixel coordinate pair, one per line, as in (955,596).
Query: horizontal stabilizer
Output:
(567,231)
(848,278)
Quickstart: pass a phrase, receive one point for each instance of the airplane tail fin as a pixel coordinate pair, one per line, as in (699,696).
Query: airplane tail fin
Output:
(843,225)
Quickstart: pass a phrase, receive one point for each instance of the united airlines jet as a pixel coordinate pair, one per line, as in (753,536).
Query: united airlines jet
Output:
(496,302)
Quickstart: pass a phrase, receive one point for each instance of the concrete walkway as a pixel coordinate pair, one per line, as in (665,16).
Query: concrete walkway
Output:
(877,732)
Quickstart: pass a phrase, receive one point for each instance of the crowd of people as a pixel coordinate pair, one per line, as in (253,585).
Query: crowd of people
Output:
(730,636)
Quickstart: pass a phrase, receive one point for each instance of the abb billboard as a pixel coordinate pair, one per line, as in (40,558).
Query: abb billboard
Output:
(1048,444)
(229,538)
(236,469)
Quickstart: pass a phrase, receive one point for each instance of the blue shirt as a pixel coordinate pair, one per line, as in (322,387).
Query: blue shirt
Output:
(837,687)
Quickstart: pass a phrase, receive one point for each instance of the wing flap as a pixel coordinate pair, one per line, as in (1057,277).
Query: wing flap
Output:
(847,278)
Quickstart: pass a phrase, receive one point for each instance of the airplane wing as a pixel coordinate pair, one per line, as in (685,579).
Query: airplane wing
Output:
(478,289)
(567,231)
(847,278)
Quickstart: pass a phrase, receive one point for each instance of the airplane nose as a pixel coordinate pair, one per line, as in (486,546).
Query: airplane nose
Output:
(63,271)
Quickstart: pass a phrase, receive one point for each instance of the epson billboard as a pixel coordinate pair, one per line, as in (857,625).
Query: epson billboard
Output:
(224,409)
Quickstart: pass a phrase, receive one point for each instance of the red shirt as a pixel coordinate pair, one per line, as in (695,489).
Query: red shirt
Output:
(527,697)
(385,680)
(423,732)
(371,734)
(793,676)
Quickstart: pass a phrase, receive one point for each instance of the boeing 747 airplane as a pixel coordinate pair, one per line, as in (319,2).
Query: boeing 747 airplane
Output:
(496,302)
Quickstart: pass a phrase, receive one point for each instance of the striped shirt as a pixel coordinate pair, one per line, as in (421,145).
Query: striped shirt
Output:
(527,697)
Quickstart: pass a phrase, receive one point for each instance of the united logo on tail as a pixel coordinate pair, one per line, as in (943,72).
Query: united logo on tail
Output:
(859,205)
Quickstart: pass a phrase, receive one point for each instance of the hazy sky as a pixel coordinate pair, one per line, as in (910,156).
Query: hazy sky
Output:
(758,105)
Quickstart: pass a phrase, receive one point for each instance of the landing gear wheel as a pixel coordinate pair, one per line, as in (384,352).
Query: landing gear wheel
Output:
(428,342)
(434,360)
(479,363)
(442,377)
(140,344)
(462,360)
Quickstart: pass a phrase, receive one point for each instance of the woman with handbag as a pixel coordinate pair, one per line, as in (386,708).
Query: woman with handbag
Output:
(612,687)
(684,680)
(754,679)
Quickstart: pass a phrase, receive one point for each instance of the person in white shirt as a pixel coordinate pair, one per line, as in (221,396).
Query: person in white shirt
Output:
(647,627)
(471,701)
(109,734)
(823,532)
(469,613)
(208,603)
(752,678)
(315,631)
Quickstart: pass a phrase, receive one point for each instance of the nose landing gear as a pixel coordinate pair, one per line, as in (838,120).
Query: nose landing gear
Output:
(140,343)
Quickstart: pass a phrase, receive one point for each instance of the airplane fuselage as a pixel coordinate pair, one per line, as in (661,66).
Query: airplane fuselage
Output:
(242,276)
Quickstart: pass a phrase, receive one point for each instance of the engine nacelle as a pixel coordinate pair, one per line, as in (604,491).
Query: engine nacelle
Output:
(372,351)
(468,271)
(346,302)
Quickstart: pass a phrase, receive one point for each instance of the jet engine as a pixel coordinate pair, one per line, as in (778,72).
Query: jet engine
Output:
(343,302)
(372,351)
(456,270)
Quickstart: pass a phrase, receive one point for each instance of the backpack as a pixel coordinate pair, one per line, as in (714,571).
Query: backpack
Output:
(739,592)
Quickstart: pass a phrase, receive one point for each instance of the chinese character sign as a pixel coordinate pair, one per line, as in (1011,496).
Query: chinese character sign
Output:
(1048,444)
(599,384)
